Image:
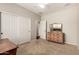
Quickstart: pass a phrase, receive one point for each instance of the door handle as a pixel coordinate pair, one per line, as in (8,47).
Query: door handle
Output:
(1,33)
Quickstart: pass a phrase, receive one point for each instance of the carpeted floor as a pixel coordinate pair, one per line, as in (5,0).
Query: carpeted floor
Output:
(43,47)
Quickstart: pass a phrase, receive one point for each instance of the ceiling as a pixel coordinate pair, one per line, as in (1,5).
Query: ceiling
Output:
(49,7)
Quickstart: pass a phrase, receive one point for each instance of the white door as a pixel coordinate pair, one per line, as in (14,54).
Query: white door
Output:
(24,30)
(42,29)
(16,28)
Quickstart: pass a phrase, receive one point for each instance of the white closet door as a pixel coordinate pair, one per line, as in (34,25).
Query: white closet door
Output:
(24,30)
(42,29)
(16,28)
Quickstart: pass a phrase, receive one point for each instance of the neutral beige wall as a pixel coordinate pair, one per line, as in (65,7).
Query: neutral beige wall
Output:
(78,25)
(67,17)
(18,10)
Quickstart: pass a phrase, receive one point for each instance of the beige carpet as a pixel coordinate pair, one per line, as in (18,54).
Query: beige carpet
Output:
(43,47)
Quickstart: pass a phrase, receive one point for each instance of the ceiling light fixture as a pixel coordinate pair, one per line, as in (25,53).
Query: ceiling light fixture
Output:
(42,6)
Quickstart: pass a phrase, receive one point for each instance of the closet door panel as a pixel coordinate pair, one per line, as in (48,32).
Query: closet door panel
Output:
(16,28)
(24,30)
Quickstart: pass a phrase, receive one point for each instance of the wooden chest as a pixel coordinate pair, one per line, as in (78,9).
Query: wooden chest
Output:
(56,36)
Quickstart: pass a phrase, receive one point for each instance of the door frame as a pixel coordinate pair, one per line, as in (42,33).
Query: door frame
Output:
(0,25)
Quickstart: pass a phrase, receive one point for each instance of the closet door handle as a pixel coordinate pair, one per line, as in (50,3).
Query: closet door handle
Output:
(1,33)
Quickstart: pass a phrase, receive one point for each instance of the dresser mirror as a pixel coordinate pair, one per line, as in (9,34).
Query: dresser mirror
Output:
(57,27)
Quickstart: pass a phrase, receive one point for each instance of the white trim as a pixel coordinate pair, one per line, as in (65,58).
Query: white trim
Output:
(72,43)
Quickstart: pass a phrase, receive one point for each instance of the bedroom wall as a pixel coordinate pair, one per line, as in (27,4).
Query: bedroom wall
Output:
(67,17)
(18,10)
(78,25)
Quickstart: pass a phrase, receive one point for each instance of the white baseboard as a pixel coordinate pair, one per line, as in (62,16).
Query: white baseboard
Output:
(72,43)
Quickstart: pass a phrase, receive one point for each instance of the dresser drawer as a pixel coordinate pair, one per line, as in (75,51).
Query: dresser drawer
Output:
(56,36)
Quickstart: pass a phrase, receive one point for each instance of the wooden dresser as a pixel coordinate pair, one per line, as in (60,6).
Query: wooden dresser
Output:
(7,47)
(56,36)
